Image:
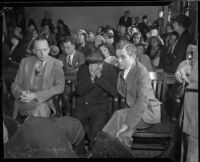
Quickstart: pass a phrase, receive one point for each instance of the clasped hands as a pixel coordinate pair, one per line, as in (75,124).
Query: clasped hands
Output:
(26,96)
(125,135)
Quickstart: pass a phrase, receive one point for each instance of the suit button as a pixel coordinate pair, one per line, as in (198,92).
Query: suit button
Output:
(86,103)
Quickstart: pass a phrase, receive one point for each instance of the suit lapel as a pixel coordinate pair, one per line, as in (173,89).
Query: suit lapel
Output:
(131,77)
(74,61)
(31,72)
(47,69)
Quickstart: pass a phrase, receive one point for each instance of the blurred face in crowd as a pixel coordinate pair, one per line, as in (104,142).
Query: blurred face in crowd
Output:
(69,47)
(41,49)
(140,51)
(124,60)
(137,19)
(97,42)
(172,39)
(154,32)
(154,42)
(136,39)
(14,41)
(17,32)
(122,30)
(190,50)
(105,51)
(129,30)
(31,28)
(91,37)
(169,29)
(46,29)
(134,30)
(110,40)
(80,38)
(127,13)
(34,34)
(99,30)
(176,26)
(46,15)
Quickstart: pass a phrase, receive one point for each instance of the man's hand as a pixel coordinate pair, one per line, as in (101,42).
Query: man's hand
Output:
(125,135)
(98,72)
(183,71)
(27,96)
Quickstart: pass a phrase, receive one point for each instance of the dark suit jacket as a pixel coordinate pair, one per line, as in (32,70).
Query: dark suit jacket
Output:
(101,90)
(139,96)
(179,52)
(78,60)
(126,23)
(45,138)
(19,52)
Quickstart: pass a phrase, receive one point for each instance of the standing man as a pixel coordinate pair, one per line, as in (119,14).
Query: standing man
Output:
(142,108)
(38,79)
(125,20)
(181,24)
(188,72)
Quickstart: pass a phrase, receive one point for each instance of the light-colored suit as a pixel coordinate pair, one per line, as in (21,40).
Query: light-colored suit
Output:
(53,81)
(140,100)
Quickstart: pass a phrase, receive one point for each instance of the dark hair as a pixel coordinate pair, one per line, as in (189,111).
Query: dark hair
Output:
(174,33)
(60,21)
(144,17)
(111,51)
(94,57)
(40,38)
(68,39)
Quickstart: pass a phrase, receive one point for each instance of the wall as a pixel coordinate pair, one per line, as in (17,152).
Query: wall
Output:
(89,18)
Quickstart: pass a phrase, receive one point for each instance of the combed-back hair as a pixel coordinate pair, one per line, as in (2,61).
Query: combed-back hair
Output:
(68,39)
(40,38)
(94,57)
(129,47)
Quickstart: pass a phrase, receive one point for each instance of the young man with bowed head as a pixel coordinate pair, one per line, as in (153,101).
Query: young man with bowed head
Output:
(142,108)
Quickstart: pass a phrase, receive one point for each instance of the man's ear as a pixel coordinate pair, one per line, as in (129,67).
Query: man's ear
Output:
(34,51)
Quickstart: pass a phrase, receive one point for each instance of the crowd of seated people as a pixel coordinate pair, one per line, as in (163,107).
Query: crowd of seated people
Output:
(100,61)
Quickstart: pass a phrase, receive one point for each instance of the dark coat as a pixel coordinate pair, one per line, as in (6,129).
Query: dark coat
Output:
(179,52)
(126,23)
(19,52)
(45,138)
(101,90)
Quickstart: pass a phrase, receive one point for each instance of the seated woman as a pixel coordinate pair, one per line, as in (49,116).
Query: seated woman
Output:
(136,38)
(29,48)
(144,59)
(108,55)
(17,51)
(154,50)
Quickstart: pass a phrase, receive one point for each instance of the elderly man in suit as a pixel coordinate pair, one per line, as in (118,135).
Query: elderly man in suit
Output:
(38,79)
(71,59)
(142,109)
(187,72)
(96,84)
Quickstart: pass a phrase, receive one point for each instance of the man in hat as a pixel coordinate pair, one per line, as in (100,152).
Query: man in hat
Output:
(82,44)
(187,71)
(42,137)
(181,25)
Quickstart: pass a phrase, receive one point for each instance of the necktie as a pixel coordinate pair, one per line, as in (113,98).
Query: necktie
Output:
(40,68)
(69,60)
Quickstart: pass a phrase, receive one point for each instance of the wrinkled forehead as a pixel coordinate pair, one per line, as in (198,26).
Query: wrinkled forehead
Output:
(41,44)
